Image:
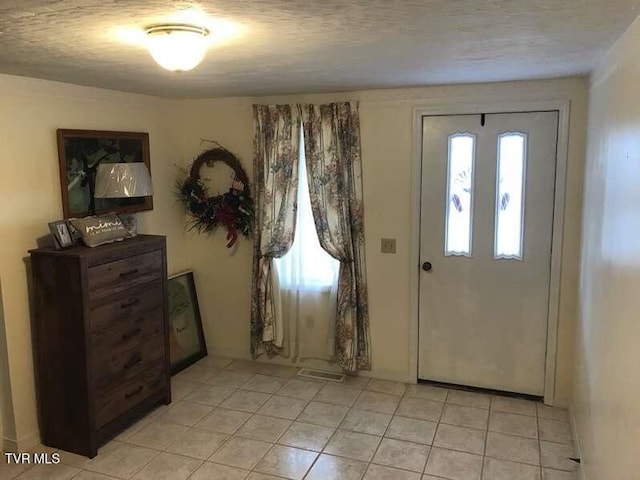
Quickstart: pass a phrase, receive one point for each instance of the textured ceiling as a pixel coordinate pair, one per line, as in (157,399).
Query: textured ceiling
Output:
(291,46)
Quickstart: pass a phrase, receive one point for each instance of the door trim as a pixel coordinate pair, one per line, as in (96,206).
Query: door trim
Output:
(469,107)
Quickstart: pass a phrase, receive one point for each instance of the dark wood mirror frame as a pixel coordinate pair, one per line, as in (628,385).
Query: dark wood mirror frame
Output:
(80,152)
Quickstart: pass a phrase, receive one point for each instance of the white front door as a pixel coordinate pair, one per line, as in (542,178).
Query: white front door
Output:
(486,226)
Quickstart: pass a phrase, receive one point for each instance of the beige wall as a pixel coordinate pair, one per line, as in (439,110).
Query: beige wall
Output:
(387,133)
(30,113)
(29,182)
(6,402)
(606,407)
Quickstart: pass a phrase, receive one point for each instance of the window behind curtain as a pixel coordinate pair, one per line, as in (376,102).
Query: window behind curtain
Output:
(306,266)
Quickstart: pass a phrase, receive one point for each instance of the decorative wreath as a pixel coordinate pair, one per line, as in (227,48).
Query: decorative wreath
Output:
(233,209)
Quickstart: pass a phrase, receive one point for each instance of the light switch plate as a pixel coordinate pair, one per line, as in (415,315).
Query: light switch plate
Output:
(388,245)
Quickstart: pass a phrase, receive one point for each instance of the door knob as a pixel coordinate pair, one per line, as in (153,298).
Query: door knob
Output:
(426,266)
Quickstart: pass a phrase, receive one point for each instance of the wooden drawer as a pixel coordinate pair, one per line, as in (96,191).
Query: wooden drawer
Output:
(110,368)
(119,276)
(128,308)
(127,333)
(120,399)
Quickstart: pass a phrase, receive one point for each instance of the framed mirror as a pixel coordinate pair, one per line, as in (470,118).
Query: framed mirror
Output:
(80,152)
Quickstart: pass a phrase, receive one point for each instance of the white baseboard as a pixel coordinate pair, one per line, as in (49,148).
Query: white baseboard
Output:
(578,445)
(233,353)
(24,444)
(390,375)
(236,354)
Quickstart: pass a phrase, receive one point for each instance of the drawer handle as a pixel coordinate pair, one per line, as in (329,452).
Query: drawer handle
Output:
(134,393)
(131,334)
(129,273)
(130,304)
(134,361)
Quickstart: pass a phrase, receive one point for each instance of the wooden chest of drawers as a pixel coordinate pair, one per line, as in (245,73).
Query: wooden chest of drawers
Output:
(101,339)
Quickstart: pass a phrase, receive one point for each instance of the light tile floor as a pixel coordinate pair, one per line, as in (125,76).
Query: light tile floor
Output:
(233,420)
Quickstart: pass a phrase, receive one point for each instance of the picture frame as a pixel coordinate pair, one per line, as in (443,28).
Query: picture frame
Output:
(61,233)
(186,337)
(79,154)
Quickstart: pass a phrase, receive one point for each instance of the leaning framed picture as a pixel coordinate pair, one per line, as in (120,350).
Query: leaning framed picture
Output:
(186,338)
(80,152)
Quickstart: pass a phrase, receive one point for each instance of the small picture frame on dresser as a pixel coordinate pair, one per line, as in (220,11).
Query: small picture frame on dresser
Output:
(186,337)
(62,237)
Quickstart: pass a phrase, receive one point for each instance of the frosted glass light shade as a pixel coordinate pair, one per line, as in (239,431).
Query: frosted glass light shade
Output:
(123,180)
(177,47)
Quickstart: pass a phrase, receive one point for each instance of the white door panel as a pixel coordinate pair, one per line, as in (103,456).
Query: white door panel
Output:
(483,320)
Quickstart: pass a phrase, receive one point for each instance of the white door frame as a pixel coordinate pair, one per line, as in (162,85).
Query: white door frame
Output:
(500,106)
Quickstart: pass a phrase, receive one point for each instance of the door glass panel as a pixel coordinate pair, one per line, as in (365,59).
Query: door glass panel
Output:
(512,151)
(459,214)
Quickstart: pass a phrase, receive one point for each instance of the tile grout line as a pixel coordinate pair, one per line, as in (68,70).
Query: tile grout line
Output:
(236,388)
(433,440)
(318,454)
(296,419)
(539,443)
(486,438)
(338,427)
(157,453)
(224,442)
(385,431)
(307,401)
(274,443)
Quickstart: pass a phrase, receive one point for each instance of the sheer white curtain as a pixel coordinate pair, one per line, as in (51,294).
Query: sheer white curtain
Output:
(306,285)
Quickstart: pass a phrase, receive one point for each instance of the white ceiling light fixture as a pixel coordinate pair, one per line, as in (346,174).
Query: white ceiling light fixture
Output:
(177,47)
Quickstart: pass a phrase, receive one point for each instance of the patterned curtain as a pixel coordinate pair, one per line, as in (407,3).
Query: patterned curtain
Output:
(334,169)
(275,170)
